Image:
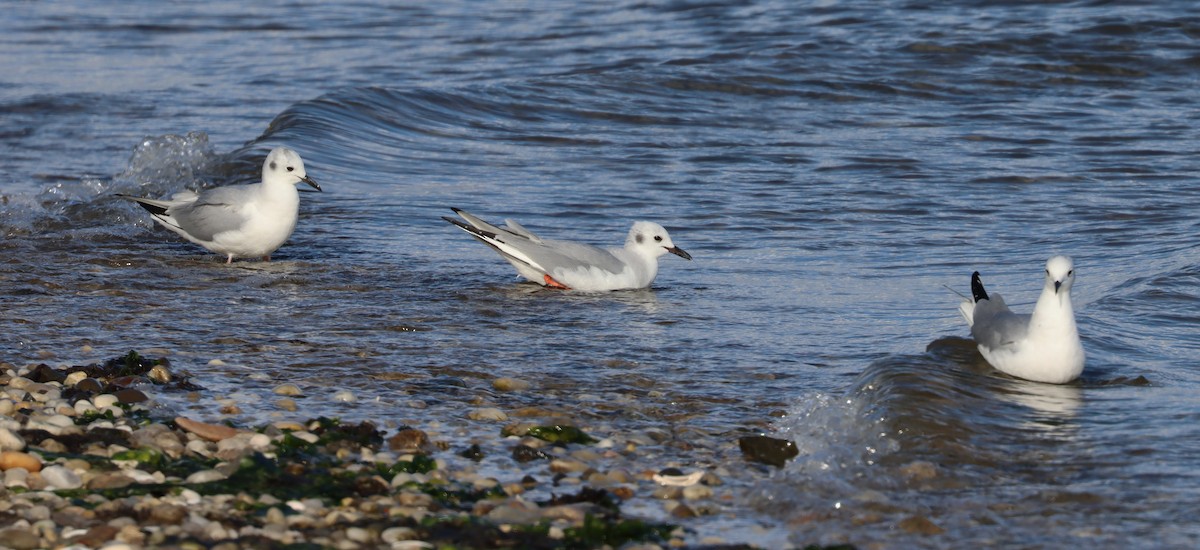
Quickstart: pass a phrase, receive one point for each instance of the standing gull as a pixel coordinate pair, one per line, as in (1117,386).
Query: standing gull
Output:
(1044,346)
(575,266)
(239,221)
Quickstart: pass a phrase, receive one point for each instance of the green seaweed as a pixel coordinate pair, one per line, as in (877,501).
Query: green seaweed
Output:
(596,532)
(560,435)
(420,464)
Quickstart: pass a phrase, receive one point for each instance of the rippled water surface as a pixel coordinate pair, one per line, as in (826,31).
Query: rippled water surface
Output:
(829,165)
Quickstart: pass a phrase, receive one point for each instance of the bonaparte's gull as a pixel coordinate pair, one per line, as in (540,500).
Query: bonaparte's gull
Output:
(239,221)
(1044,346)
(575,266)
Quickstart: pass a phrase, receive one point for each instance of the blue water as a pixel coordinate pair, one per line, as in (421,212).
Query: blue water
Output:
(829,165)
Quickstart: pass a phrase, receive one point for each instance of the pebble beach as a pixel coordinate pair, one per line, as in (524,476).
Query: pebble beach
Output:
(89,462)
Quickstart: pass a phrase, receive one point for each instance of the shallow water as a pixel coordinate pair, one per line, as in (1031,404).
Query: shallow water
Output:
(830,166)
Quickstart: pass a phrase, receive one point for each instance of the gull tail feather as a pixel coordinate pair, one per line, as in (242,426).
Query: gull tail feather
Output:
(493,240)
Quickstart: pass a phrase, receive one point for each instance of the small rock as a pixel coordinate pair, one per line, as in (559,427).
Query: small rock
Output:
(160,374)
(16,477)
(43,374)
(20,539)
(344,396)
(682,511)
(97,536)
(205,476)
(105,400)
(130,395)
(90,385)
(920,525)
(17,459)
(510,384)
(919,469)
(290,390)
(211,432)
(394,534)
(109,481)
(563,466)
(59,477)
(409,440)
(74,378)
(168,514)
(474,452)
(10,441)
(286,403)
(488,413)
(697,492)
(767,450)
(359,535)
(525,453)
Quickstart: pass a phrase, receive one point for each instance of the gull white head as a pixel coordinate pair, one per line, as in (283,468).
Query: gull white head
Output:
(283,166)
(650,239)
(1060,274)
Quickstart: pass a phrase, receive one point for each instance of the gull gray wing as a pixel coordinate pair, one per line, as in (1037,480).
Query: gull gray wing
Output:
(996,325)
(215,211)
(554,256)
(517,229)
(477,222)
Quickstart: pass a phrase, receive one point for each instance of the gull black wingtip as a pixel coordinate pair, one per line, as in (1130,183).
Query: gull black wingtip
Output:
(977,291)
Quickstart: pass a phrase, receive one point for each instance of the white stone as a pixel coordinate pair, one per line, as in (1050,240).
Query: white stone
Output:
(260,441)
(358,534)
(16,477)
(306,436)
(10,441)
(394,534)
(84,406)
(60,477)
(74,378)
(344,396)
(205,476)
(116,411)
(105,400)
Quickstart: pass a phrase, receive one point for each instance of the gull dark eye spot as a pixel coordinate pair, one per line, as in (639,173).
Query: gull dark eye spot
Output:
(658,238)
(273,165)
(639,239)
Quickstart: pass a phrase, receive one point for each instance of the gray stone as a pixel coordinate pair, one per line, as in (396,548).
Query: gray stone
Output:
(59,477)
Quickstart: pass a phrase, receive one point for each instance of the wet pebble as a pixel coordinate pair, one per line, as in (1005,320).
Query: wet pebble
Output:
(130,395)
(344,396)
(105,400)
(211,432)
(290,390)
(487,413)
(409,440)
(510,384)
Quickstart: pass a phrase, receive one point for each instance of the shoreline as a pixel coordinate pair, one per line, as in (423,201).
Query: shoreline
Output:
(87,464)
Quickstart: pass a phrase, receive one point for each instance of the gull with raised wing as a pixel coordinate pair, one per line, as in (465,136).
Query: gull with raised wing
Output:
(238,221)
(1044,346)
(575,266)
